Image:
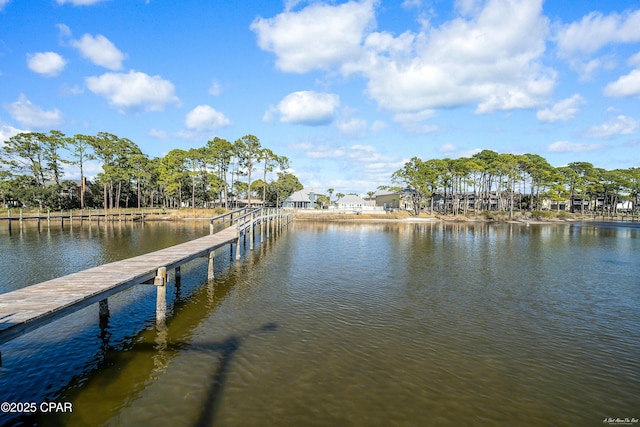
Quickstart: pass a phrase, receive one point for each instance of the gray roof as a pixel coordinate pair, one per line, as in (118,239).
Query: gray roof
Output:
(302,195)
(351,199)
(385,193)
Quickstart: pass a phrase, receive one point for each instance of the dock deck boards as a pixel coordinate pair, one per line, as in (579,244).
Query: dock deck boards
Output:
(28,308)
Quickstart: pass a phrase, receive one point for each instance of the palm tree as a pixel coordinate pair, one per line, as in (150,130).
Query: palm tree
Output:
(330,191)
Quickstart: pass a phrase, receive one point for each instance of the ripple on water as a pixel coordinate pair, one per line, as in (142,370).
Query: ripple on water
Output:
(377,324)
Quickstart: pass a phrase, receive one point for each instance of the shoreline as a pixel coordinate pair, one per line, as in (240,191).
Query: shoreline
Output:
(439,220)
(403,218)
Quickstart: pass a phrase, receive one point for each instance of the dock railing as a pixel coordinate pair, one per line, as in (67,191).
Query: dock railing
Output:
(28,308)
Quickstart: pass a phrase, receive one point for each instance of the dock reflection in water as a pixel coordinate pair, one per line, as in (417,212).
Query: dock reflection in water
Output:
(373,324)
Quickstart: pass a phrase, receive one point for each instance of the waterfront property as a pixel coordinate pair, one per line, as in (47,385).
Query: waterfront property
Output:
(306,198)
(29,308)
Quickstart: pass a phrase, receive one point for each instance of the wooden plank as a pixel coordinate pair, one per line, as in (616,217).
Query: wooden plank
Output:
(26,309)
(29,308)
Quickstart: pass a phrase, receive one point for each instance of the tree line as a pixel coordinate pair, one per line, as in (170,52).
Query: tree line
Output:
(506,182)
(218,174)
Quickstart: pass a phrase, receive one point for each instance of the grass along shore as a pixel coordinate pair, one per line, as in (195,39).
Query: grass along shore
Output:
(163,214)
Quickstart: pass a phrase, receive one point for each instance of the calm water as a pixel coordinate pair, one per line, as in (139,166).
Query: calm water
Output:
(349,325)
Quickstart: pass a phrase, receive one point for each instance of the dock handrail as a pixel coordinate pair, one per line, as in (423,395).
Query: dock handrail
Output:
(224,223)
(28,308)
(236,217)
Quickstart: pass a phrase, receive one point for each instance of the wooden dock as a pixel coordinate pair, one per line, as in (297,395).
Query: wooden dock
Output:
(29,308)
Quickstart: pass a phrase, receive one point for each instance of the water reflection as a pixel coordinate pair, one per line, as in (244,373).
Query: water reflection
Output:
(352,324)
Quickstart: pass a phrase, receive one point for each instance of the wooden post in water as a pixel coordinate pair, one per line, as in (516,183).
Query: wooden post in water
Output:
(251,233)
(238,243)
(212,256)
(178,278)
(103,312)
(271,223)
(161,297)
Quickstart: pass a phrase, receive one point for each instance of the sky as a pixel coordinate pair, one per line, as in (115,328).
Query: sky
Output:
(347,90)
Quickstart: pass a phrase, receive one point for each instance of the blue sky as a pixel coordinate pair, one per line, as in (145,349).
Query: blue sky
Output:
(348,91)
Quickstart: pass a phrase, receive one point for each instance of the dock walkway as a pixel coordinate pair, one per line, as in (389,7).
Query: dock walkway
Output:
(29,308)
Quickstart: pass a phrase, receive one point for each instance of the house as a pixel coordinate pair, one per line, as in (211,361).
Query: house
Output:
(388,199)
(307,198)
(351,202)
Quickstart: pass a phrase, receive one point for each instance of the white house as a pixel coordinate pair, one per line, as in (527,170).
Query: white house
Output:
(353,203)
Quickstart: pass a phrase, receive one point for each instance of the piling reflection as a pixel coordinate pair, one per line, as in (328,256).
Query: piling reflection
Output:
(405,324)
(121,371)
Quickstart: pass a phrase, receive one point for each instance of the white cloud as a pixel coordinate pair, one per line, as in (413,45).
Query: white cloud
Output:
(204,117)
(3,3)
(99,50)
(159,134)
(596,30)
(46,63)
(447,149)
(67,90)
(634,60)
(411,4)
(308,108)
(490,58)
(90,170)
(414,122)
(628,85)
(587,69)
(215,89)
(450,150)
(63,30)
(571,147)
(79,2)
(365,166)
(133,90)
(319,36)
(378,125)
(31,116)
(620,125)
(7,132)
(562,111)
(352,127)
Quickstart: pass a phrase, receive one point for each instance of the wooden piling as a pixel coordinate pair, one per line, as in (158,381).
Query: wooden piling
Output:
(212,256)
(161,297)
(238,244)
(251,227)
(103,312)
(178,281)
(24,309)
